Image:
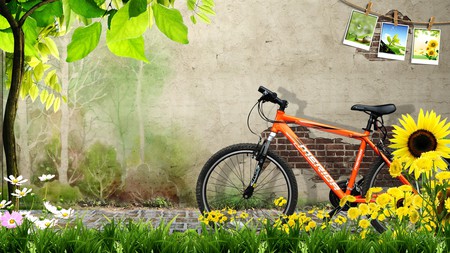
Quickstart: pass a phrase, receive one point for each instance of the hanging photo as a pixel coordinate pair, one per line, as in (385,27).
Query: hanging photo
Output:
(360,29)
(426,46)
(393,40)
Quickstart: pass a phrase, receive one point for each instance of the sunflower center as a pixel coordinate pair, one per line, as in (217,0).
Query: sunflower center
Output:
(421,141)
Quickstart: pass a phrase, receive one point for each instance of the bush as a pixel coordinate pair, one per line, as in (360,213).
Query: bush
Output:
(56,192)
(101,172)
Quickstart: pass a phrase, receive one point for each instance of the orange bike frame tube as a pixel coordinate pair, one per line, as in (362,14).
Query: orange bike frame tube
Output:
(280,126)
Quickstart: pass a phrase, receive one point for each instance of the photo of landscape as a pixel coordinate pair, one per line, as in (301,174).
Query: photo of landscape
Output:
(393,41)
(360,29)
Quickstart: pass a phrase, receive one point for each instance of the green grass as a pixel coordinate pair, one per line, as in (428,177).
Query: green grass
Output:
(131,236)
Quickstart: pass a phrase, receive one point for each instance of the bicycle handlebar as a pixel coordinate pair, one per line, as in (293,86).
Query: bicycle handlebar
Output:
(270,96)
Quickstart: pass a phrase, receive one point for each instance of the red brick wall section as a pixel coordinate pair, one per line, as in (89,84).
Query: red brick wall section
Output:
(336,155)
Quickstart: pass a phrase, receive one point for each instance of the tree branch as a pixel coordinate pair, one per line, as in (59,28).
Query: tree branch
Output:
(30,11)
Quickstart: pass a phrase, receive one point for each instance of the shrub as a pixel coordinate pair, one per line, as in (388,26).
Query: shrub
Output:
(101,172)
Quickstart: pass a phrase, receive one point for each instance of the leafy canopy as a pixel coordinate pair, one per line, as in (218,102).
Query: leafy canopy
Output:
(126,20)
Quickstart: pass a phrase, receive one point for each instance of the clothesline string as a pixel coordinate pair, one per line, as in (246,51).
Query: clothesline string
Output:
(391,17)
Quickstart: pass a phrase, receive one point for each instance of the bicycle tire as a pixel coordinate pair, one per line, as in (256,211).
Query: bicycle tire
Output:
(228,172)
(378,176)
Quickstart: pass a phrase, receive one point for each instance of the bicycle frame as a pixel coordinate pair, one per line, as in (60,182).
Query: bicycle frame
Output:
(281,126)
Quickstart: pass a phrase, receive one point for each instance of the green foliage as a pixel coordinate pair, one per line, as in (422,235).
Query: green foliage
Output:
(130,236)
(84,41)
(56,192)
(101,173)
(170,22)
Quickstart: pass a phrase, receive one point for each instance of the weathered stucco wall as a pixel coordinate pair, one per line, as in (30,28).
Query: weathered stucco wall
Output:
(295,48)
(165,119)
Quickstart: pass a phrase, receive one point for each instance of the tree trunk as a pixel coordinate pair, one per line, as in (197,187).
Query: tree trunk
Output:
(11,104)
(24,162)
(65,123)
(139,78)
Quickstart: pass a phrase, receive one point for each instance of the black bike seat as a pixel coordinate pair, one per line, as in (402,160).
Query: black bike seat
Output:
(379,110)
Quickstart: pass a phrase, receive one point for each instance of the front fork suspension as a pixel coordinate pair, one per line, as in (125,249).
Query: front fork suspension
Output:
(260,156)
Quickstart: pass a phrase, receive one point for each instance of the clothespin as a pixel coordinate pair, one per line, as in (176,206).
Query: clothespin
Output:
(395,17)
(368,8)
(430,24)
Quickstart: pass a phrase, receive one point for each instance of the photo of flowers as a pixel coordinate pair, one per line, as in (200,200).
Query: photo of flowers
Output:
(426,46)
(360,29)
(393,40)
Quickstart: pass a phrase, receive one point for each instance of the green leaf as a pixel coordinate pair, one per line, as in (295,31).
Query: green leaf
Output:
(49,101)
(170,22)
(34,92)
(86,8)
(56,104)
(209,3)
(193,19)
(38,72)
(43,97)
(132,48)
(46,14)
(3,23)
(203,17)
(191,5)
(30,31)
(123,27)
(137,7)
(51,45)
(207,9)
(7,40)
(84,41)
(51,78)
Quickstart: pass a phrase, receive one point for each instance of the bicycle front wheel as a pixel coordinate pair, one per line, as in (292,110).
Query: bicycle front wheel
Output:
(226,175)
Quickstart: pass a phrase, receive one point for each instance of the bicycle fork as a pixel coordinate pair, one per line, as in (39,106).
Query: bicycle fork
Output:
(261,158)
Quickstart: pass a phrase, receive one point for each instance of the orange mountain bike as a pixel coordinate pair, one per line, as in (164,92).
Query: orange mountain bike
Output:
(249,177)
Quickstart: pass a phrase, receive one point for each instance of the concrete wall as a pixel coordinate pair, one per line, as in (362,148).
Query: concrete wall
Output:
(295,48)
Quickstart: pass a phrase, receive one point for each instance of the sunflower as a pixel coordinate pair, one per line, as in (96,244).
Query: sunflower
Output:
(433,43)
(410,140)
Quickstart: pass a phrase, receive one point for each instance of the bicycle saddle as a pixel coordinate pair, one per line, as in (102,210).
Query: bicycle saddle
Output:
(379,110)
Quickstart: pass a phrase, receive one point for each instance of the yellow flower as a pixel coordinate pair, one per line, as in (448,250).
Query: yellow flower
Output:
(436,159)
(363,234)
(396,193)
(421,165)
(231,211)
(433,43)
(431,52)
(405,188)
(364,223)
(414,216)
(383,200)
(340,220)
(312,224)
(353,213)
(243,215)
(364,208)
(396,168)
(410,140)
(442,176)
(401,212)
(349,198)
(280,201)
(417,201)
(447,204)
(371,191)
(381,217)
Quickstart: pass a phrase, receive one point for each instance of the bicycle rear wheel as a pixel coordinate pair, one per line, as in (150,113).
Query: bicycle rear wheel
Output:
(227,174)
(378,176)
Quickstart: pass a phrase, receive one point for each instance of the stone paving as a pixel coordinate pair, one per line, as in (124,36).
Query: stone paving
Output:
(184,218)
